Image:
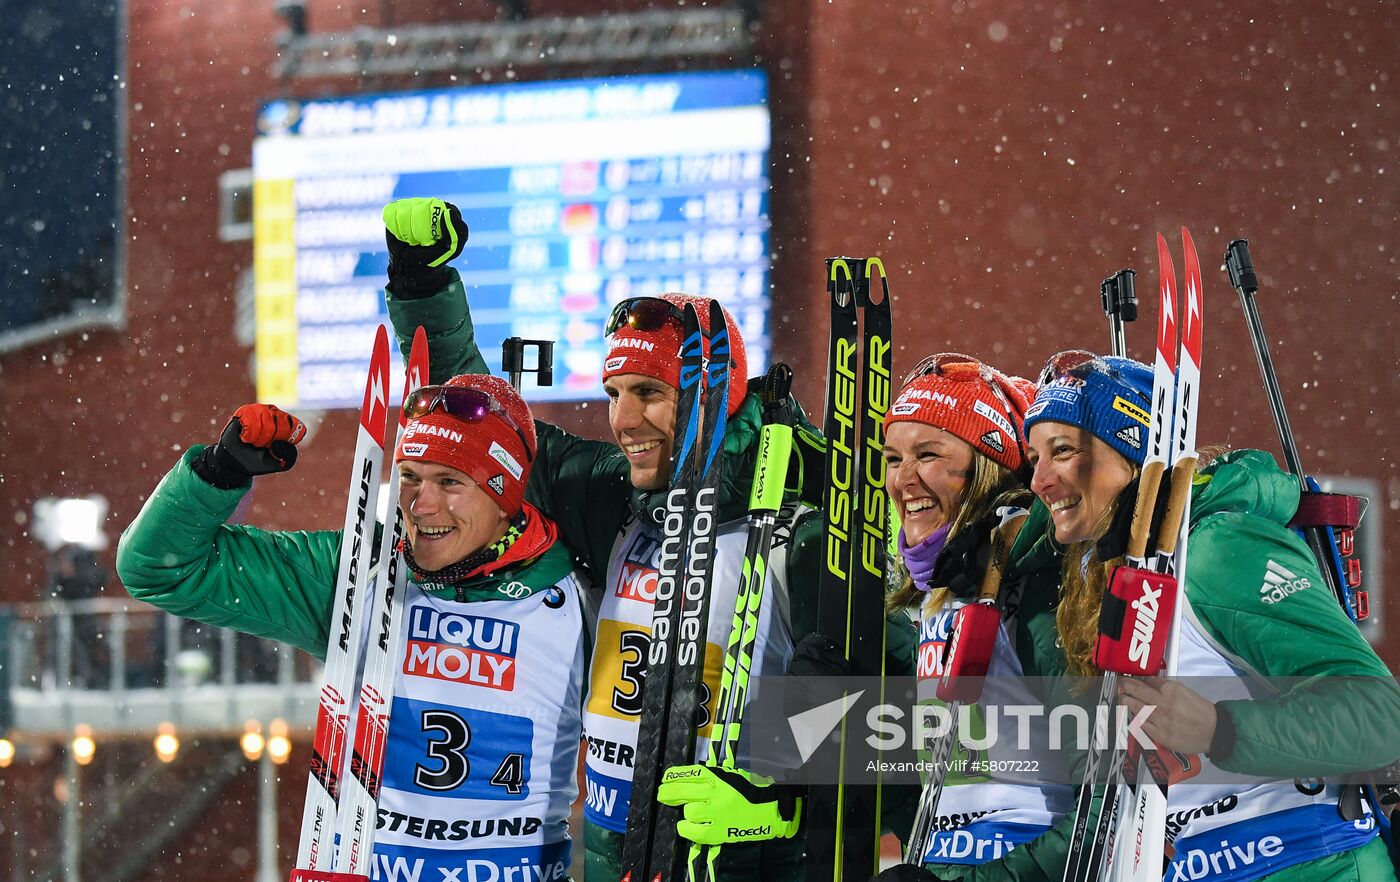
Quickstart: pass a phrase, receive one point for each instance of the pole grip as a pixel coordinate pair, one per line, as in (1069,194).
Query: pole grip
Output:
(1148,486)
(1003,537)
(1182,474)
(513,361)
(1240,267)
(1119,293)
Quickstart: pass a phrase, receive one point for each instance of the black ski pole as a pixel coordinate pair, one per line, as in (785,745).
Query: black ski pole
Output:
(1242,277)
(1120,305)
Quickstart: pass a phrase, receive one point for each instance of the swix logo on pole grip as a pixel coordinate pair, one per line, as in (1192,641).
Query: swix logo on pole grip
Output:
(1135,622)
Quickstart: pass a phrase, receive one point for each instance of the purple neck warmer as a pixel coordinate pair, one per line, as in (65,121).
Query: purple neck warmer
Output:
(923,558)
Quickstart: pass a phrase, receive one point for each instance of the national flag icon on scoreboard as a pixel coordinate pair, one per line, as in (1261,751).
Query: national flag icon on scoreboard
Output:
(579,178)
(583,253)
(581,217)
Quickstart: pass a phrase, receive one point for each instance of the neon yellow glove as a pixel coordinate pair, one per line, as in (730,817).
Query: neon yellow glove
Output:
(720,805)
(422,235)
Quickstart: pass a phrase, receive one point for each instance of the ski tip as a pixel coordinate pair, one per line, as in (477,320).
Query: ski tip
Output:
(374,409)
(417,375)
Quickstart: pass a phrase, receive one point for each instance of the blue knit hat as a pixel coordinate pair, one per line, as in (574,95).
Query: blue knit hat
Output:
(1109,396)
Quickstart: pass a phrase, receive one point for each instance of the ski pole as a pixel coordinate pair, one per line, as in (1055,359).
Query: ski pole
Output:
(765,503)
(967,660)
(1320,538)
(1242,277)
(1120,305)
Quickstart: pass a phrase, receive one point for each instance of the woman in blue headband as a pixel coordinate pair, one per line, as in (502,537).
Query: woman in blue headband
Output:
(1265,799)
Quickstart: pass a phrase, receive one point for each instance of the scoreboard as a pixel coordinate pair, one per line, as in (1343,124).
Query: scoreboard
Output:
(578,193)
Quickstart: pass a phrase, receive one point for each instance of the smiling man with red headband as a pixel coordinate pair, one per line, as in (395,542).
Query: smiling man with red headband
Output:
(608,499)
(490,582)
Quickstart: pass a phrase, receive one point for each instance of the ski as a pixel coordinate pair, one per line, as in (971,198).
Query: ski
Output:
(765,502)
(1140,615)
(967,658)
(319,818)
(360,798)
(843,820)
(675,663)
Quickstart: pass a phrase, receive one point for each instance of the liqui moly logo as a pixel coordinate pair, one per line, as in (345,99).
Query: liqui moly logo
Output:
(474,650)
(933,635)
(637,582)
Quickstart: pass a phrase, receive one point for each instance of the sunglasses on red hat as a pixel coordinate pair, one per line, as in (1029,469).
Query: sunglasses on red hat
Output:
(465,403)
(643,314)
(958,367)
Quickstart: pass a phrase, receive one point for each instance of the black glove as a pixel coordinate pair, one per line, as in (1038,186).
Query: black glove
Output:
(423,235)
(816,656)
(905,873)
(259,440)
(963,562)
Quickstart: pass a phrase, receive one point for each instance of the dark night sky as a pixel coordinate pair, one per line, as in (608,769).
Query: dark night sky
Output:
(58,156)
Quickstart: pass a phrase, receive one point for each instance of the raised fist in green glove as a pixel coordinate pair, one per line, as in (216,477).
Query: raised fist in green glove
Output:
(720,805)
(423,235)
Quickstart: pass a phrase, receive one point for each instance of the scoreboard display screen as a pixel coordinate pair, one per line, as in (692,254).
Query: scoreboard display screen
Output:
(578,193)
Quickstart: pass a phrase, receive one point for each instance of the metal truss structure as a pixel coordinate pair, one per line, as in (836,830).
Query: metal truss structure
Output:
(464,47)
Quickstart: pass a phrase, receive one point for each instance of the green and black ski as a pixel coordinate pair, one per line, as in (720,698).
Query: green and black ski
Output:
(675,662)
(843,829)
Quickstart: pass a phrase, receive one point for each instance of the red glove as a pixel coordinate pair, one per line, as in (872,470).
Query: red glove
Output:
(259,440)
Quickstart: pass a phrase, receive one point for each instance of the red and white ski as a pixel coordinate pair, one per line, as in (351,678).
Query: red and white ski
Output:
(359,799)
(319,818)
(1141,614)
(1144,792)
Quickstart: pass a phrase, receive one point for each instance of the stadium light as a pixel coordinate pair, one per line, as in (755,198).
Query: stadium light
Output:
(252,742)
(59,522)
(166,744)
(83,746)
(279,746)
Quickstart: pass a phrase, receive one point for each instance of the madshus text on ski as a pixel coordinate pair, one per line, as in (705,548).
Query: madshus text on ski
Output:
(990,539)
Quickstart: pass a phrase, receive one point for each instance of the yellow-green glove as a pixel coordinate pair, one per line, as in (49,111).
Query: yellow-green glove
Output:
(721,806)
(423,235)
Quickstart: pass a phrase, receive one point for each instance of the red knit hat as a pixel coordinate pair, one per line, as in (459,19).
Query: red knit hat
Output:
(496,456)
(656,354)
(977,403)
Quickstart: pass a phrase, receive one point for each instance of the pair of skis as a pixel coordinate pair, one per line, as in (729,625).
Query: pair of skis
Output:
(1141,618)
(843,830)
(676,656)
(339,806)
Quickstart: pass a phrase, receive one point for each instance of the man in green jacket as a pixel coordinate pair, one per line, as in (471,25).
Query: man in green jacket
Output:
(481,760)
(607,499)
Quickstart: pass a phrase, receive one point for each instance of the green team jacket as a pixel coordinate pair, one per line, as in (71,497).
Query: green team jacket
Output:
(1241,505)
(583,485)
(180,555)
